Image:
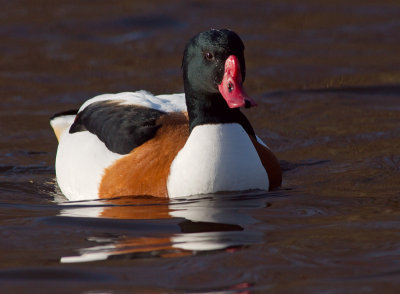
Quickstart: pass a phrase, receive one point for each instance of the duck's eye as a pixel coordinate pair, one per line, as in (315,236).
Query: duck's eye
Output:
(209,56)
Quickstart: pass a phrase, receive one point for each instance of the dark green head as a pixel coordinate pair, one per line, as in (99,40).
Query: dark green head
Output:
(213,74)
(204,59)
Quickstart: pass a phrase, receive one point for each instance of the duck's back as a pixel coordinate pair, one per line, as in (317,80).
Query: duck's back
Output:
(108,132)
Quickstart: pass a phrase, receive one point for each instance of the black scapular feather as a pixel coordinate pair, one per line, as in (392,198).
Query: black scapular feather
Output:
(120,127)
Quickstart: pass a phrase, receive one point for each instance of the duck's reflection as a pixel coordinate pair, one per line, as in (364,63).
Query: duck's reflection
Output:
(203,223)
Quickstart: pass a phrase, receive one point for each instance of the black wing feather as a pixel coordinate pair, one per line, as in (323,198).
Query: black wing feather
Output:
(120,127)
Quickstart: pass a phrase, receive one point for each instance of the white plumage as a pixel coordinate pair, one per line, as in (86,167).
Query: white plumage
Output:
(166,103)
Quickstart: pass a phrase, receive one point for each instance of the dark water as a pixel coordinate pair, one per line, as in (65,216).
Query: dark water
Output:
(326,76)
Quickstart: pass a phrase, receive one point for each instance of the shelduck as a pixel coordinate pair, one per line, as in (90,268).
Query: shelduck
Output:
(199,142)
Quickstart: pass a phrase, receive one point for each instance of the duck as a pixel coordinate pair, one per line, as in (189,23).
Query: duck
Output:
(174,145)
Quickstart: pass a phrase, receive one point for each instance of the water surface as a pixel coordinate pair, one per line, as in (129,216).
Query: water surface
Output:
(327,81)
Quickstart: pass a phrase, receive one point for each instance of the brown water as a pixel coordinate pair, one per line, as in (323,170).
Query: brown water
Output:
(326,75)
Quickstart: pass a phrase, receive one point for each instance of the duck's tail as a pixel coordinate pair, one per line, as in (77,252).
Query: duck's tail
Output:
(62,121)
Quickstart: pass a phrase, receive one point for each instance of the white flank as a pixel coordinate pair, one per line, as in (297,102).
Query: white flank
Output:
(80,163)
(216,158)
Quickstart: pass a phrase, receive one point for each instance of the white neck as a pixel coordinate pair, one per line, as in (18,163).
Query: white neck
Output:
(218,157)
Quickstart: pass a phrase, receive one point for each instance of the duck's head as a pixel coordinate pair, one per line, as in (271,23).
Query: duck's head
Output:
(214,70)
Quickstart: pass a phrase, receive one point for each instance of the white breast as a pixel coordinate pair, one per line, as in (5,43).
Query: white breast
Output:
(218,157)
